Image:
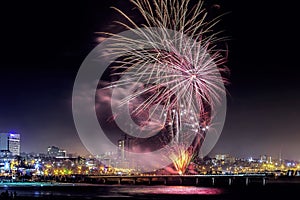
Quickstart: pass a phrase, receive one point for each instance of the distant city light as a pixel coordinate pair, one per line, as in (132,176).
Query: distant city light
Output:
(250,159)
(36,166)
(6,166)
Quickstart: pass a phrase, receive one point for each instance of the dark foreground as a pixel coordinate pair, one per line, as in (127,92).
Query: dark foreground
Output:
(75,192)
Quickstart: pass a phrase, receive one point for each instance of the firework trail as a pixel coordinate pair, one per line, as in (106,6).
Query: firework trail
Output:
(179,70)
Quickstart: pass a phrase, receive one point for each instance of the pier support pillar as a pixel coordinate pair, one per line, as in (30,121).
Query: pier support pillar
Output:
(247,181)
(150,180)
(180,180)
(165,180)
(264,181)
(229,181)
(213,180)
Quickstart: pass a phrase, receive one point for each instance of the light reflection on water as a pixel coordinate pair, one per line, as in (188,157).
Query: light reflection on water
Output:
(176,190)
(109,190)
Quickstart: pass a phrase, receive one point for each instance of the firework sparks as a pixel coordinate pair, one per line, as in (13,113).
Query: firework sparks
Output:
(186,73)
(179,70)
(181,157)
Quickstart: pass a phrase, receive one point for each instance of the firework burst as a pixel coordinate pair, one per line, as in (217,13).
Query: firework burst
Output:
(181,157)
(178,65)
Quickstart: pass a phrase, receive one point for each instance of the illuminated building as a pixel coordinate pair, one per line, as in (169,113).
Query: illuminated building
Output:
(10,142)
(221,156)
(263,158)
(121,150)
(56,152)
(269,160)
(124,146)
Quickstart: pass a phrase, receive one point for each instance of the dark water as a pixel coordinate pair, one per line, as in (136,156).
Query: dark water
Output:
(272,191)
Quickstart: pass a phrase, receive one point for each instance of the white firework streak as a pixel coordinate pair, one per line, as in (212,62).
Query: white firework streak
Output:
(180,69)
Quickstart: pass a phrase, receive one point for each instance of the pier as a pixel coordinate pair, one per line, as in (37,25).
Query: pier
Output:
(201,180)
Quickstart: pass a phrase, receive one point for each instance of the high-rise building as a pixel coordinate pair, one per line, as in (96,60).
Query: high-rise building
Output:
(121,150)
(10,142)
(263,158)
(124,147)
(123,156)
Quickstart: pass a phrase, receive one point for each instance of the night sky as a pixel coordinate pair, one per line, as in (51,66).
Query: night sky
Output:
(43,44)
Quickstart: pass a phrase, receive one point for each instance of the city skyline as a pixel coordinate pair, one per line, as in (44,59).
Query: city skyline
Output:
(121,152)
(40,61)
